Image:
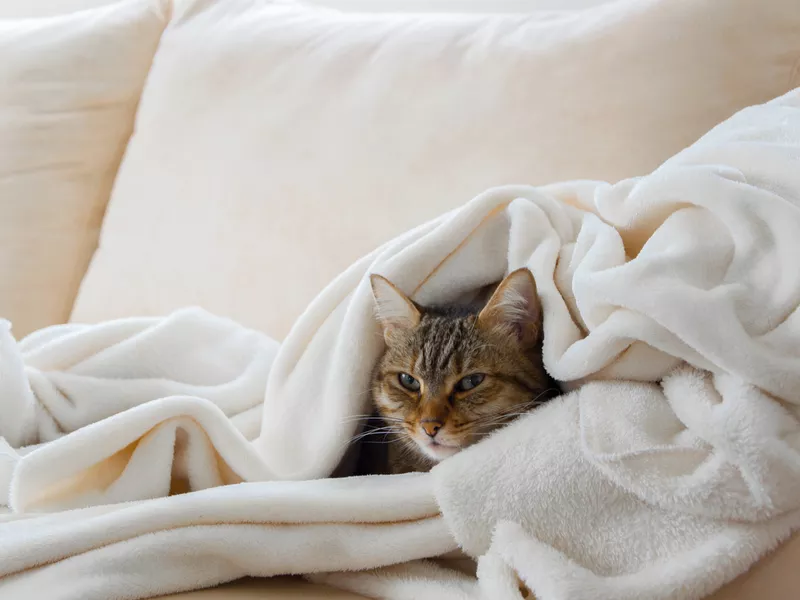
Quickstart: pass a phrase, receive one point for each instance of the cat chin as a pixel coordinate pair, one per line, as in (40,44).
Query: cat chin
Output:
(438,452)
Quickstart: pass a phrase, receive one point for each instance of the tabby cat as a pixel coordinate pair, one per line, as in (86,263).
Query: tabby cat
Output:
(451,375)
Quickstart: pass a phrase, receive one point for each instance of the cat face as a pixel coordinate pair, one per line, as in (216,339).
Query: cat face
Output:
(449,376)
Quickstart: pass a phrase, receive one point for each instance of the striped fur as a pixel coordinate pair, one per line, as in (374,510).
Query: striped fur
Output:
(442,345)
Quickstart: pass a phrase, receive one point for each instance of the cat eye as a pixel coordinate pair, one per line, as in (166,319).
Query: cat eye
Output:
(469,382)
(408,382)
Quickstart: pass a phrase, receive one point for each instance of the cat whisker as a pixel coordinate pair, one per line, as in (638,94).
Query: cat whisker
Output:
(364,438)
(379,430)
(499,418)
(372,432)
(368,417)
(383,441)
(501,415)
(356,418)
(528,405)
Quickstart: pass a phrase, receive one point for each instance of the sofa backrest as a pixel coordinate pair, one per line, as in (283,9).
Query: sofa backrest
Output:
(275,144)
(69,88)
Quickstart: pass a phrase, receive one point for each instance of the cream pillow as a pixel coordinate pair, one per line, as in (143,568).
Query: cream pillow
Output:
(68,93)
(276,143)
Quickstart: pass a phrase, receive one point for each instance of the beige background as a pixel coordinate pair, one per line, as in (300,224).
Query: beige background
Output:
(68,95)
(275,146)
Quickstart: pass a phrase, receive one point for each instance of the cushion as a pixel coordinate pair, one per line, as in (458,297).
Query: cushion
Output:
(276,142)
(69,87)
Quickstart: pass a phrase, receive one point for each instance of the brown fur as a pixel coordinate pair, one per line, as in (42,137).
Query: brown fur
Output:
(438,347)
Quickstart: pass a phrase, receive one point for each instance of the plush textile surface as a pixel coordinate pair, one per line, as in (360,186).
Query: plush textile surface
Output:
(69,87)
(275,143)
(47,8)
(670,302)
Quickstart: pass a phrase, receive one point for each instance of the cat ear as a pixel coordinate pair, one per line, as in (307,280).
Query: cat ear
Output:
(514,307)
(394,309)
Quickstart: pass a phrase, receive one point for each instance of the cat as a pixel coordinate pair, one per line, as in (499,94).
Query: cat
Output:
(450,375)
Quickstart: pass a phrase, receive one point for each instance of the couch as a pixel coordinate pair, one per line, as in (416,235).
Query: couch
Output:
(239,154)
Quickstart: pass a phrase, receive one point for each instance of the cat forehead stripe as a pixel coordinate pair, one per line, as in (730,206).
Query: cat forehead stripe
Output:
(446,344)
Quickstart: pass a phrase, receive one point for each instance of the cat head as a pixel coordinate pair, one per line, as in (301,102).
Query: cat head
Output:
(450,375)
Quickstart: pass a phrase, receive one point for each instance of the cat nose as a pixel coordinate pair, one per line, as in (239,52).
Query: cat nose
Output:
(431,427)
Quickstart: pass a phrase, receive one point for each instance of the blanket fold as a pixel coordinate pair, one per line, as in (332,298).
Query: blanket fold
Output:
(184,542)
(670,307)
(132,409)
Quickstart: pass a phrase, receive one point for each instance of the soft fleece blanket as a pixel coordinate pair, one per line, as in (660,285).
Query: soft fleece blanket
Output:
(670,309)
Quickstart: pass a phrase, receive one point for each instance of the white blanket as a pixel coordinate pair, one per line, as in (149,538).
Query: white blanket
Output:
(670,303)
